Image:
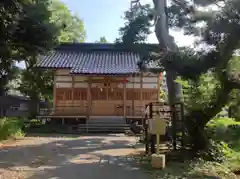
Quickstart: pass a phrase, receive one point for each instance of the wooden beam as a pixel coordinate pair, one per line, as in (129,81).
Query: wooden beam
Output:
(104,80)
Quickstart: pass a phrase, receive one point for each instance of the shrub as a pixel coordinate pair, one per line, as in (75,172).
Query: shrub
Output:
(224,129)
(195,169)
(10,127)
(210,170)
(226,134)
(215,152)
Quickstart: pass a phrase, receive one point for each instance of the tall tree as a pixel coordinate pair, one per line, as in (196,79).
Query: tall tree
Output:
(38,83)
(218,33)
(25,30)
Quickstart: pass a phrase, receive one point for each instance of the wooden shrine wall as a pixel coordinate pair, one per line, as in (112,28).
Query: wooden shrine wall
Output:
(105,93)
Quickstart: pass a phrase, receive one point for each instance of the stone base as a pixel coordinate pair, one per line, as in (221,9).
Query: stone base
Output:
(158,161)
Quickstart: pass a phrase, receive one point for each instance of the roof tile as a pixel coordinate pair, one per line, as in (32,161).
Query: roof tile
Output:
(92,62)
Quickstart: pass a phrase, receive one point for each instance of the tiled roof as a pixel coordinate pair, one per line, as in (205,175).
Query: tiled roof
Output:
(92,59)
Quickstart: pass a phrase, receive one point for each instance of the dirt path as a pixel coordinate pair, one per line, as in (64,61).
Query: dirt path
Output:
(85,157)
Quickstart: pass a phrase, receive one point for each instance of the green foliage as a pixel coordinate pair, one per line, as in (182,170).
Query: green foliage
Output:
(225,129)
(38,83)
(25,30)
(215,152)
(137,26)
(198,94)
(210,74)
(35,82)
(102,40)
(190,169)
(219,122)
(218,33)
(10,128)
(210,170)
(71,26)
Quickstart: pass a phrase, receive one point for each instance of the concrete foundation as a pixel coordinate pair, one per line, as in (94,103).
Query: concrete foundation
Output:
(158,161)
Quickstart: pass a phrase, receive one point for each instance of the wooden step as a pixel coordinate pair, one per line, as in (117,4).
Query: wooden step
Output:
(99,127)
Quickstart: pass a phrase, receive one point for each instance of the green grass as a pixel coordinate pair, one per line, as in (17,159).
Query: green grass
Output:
(10,128)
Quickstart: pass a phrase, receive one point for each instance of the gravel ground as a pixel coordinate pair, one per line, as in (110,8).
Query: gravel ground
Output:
(70,157)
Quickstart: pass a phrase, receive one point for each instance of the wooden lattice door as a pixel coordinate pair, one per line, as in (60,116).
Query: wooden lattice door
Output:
(107,98)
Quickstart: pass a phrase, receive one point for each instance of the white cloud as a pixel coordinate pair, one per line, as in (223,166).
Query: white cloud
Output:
(179,37)
(21,64)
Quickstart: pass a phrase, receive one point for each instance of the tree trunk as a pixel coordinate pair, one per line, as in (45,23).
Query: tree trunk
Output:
(33,107)
(195,128)
(3,85)
(166,41)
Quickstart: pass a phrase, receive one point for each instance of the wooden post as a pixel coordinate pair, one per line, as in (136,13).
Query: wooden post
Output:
(124,100)
(54,93)
(89,97)
(107,87)
(133,95)
(73,107)
(158,143)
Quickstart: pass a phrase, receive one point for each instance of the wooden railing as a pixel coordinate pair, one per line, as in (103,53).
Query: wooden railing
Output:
(84,111)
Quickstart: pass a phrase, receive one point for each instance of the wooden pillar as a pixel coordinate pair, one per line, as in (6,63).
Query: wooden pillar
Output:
(141,95)
(107,89)
(133,95)
(73,107)
(89,98)
(54,92)
(89,101)
(124,100)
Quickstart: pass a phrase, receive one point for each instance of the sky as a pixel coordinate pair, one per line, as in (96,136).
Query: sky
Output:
(105,17)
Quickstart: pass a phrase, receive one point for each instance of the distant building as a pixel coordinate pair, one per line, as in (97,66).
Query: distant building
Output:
(17,106)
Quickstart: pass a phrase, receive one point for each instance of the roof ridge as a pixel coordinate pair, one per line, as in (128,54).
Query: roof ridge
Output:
(100,46)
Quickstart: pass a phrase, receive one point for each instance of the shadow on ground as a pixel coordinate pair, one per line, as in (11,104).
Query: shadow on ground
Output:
(85,157)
